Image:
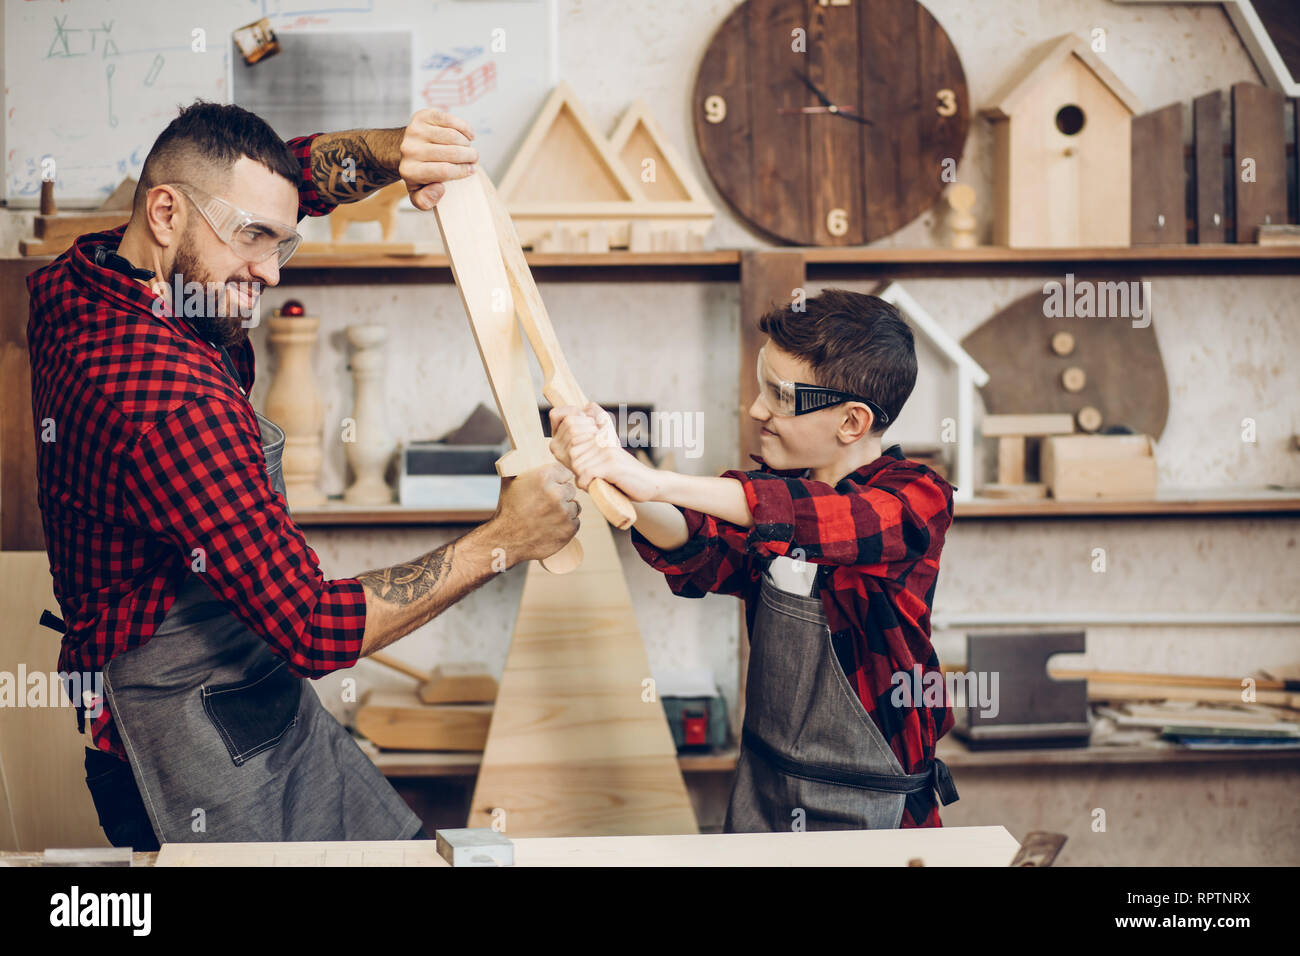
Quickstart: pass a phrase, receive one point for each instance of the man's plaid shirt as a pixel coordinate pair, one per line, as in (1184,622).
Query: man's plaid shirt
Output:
(881,529)
(155,455)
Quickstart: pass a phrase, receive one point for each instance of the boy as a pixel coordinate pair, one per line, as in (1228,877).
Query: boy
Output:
(834,547)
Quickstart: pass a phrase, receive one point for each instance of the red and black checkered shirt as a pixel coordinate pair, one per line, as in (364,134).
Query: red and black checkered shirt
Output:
(881,529)
(149,458)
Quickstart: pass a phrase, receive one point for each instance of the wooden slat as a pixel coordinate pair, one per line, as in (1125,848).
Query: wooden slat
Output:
(779,139)
(835,175)
(724,72)
(1207,134)
(1257,133)
(1159,206)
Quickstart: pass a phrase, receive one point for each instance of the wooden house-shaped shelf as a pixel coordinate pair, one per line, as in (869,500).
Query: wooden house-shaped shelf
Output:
(1062,146)
(569,189)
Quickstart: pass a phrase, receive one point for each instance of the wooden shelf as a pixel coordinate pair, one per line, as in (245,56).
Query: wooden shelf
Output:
(952,751)
(1213,501)
(349,516)
(725,263)
(1169,504)
(429,764)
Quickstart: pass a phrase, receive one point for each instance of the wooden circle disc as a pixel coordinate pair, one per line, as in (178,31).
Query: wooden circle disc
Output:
(842,176)
(1089,418)
(1062,343)
(1073,379)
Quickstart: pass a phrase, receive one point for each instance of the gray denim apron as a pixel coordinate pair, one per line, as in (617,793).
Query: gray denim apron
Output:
(811,756)
(226,745)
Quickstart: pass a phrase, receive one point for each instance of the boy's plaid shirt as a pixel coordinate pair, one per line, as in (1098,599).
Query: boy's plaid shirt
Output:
(881,529)
(157,453)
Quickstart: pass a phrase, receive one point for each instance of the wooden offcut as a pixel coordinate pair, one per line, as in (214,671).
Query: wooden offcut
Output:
(459,683)
(401,721)
(1259,149)
(998,426)
(1159,208)
(1208,144)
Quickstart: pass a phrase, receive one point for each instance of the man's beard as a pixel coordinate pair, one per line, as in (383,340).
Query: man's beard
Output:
(225,330)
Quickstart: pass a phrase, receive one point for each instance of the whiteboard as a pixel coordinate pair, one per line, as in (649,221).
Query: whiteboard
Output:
(91,83)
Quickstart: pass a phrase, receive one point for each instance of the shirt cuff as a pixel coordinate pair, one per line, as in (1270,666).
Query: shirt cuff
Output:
(310,201)
(690,557)
(772,506)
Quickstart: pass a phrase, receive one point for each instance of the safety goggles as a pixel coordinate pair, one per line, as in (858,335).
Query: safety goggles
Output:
(796,398)
(250,237)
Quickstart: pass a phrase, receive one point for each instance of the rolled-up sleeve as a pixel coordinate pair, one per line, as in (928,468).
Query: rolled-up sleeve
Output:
(879,528)
(197,480)
(712,561)
(310,201)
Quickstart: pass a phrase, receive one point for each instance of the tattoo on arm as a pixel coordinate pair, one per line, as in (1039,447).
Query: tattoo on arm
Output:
(406,583)
(348,166)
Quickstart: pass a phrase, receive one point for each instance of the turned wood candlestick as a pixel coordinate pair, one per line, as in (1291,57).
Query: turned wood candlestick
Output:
(294,403)
(373,445)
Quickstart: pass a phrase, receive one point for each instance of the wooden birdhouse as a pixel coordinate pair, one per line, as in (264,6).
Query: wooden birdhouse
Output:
(1061,131)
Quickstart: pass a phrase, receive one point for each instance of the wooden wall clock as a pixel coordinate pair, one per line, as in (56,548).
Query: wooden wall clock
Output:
(827,122)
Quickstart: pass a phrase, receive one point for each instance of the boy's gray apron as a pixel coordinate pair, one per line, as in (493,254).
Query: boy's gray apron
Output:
(226,745)
(811,756)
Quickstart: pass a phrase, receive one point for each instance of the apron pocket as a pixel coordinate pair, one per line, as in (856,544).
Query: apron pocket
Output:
(253,715)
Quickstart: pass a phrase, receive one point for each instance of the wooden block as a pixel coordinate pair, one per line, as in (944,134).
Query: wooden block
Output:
(1207,135)
(998,426)
(398,721)
(460,683)
(1083,467)
(1159,209)
(480,846)
(1011,460)
(573,747)
(1257,137)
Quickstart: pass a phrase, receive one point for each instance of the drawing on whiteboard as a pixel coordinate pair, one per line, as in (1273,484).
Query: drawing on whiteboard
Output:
(63,40)
(455,84)
(108,82)
(154,69)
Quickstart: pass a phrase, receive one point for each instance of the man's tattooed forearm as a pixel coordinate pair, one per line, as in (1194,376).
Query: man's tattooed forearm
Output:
(345,168)
(408,582)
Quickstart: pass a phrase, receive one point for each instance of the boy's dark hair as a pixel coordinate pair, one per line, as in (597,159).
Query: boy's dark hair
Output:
(202,144)
(854,342)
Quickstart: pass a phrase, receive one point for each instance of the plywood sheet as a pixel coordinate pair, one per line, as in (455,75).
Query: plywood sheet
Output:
(573,748)
(41,753)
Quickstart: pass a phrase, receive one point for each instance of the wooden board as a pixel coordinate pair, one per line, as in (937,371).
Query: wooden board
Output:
(459,683)
(466,222)
(1002,426)
(1125,373)
(1159,190)
(940,846)
(573,748)
(401,721)
(1257,134)
(42,772)
(1208,142)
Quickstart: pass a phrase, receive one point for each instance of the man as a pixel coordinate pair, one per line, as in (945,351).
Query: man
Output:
(181,576)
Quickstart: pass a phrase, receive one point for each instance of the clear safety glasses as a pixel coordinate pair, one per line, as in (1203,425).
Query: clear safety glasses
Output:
(249,237)
(796,398)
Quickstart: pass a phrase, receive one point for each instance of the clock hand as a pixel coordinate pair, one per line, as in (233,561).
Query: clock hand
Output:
(830,107)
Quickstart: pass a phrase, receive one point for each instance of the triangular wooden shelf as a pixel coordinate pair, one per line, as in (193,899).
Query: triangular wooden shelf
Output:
(573,749)
(637,138)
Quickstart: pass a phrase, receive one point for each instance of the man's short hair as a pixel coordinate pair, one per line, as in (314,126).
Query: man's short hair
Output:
(203,143)
(855,342)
